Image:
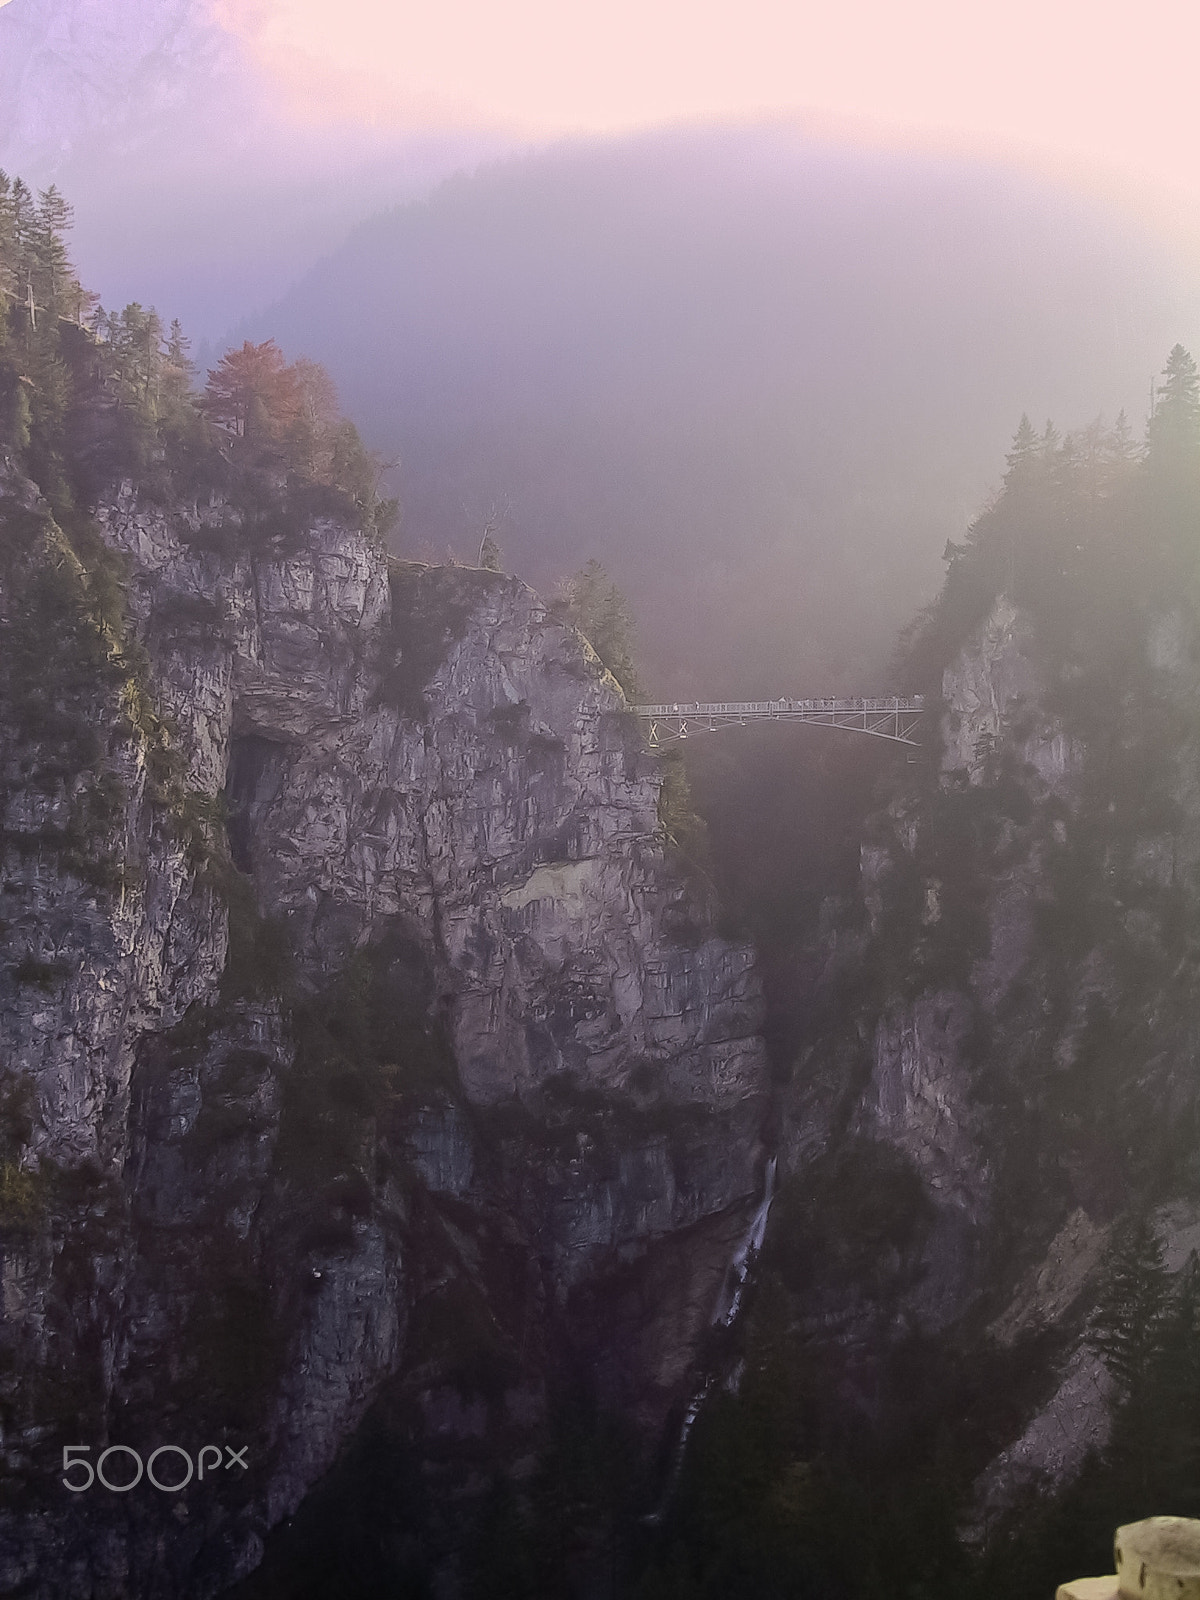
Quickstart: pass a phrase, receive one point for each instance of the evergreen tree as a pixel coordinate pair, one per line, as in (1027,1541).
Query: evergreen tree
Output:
(177,373)
(1173,435)
(1169,1405)
(314,432)
(22,217)
(53,278)
(1121,446)
(65,360)
(1127,1324)
(8,251)
(1011,539)
(1023,457)
(352,468)
(601,613)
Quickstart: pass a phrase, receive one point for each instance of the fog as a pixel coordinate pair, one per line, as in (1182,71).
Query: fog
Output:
(761,372)
(200,184)
(408,1064)
(763,376)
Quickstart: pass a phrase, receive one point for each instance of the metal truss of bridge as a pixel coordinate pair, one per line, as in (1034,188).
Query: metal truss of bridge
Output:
(896,718)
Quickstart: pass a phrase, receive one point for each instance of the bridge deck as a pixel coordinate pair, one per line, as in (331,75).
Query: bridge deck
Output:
(894,717)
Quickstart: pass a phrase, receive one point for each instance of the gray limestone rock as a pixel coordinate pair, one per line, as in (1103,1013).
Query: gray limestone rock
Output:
(411,778)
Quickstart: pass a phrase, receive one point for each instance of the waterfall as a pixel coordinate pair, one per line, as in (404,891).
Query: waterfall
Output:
(729,1303)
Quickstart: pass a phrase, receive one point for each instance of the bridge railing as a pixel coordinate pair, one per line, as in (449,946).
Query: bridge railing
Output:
(893,717)
(746,708)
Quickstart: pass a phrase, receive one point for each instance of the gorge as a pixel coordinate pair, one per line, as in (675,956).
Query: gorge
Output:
(395,1129)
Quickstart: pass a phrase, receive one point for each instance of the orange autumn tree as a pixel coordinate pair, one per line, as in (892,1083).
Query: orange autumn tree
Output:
(287,416)
(254,393)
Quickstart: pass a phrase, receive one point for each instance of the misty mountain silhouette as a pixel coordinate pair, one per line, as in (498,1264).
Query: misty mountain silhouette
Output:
(198,185)
(762,376)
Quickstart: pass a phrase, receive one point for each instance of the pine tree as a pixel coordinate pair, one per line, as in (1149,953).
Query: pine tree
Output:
(21,200)
(1121,446)
(1173,435)
(1127,1324)
(64,360)
(1171,1408)
(21,222)
(601,613)
(1023,457)
(177,373)
(179,347)
(353,468)
(8,250)
(134,356)
(52,275)
(314,432)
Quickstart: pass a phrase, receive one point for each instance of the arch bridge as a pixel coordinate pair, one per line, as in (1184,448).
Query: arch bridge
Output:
(894,717)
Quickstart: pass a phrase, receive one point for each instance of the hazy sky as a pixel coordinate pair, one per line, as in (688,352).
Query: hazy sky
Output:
(1093,79)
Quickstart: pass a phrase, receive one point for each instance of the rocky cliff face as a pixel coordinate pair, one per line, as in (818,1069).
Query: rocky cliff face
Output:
(361,1042)
(1016,1040)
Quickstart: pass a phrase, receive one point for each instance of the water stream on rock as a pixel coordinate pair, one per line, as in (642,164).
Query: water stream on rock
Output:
(729,1303)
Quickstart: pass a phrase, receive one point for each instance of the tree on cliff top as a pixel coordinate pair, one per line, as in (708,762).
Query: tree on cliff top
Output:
(313,431)
(254,393)
(1173,434)
(89,397)
(594,605)
(290,415)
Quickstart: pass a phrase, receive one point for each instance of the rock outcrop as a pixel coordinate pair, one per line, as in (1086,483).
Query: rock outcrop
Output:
(1019,963)
(361,1036)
